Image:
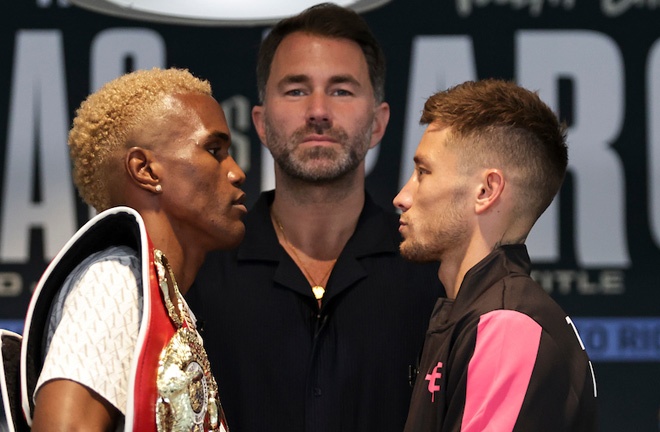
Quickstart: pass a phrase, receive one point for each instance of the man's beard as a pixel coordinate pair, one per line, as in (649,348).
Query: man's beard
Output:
(331,163)
(414,252)
(446,232)
(417,252)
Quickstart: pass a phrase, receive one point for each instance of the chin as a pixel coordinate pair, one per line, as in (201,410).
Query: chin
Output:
(416,253)
(232,242)
(229,239)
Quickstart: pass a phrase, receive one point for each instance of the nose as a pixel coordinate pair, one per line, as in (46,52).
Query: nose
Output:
(404,199)
(318,110)
(235,174)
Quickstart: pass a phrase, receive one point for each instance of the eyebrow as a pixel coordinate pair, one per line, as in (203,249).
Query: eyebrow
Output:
(343,79)
(304,79)
(222,136)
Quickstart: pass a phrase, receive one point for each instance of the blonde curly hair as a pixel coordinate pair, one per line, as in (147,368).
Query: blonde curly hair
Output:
(105,119)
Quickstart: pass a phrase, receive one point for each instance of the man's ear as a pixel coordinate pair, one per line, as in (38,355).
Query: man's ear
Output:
(259,123)
(142,169)
(490,190)
(381,119)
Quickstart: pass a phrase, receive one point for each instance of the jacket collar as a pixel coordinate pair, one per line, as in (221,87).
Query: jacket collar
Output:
(503,261)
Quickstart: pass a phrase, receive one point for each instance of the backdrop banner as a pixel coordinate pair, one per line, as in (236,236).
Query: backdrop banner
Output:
(596,63)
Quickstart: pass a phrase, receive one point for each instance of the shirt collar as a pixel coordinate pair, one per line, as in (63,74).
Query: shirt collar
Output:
(375,232)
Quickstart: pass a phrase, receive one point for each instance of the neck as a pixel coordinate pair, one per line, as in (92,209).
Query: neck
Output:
(183,266)
(302,192)
(320,221)
(185,258)
(457,261)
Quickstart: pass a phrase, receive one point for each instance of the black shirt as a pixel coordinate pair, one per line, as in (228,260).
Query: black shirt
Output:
(283,365)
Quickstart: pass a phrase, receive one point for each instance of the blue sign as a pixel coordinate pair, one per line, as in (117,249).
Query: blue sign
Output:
(620,339)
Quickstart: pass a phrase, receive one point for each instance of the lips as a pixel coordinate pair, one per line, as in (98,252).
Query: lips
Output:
(240,199)
(318,138)
(239,203)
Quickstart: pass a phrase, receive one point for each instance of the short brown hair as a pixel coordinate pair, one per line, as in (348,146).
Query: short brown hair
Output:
(498,122)
(105,119)
(331,21)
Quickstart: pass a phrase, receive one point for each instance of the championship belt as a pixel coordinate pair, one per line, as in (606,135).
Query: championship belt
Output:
(187,391)
(171,387)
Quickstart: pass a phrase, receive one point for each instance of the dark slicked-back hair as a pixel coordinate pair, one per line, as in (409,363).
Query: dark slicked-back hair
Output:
(331,21)
(495,123)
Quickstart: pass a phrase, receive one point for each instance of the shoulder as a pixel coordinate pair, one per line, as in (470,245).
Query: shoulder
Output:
(527,315)
(124,255)
(108,263)
(524,294)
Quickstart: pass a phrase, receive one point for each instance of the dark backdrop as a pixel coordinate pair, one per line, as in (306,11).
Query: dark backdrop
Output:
(596,62)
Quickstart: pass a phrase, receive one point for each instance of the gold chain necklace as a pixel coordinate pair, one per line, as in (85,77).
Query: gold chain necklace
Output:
(317,289)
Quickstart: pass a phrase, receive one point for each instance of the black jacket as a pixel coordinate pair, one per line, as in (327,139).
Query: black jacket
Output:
(504,355)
